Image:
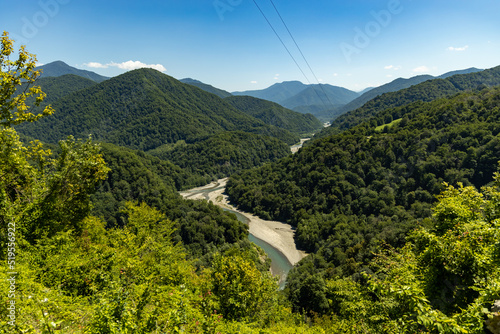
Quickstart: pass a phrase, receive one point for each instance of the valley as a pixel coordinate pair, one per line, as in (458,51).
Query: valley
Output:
(145,200)
(276,237)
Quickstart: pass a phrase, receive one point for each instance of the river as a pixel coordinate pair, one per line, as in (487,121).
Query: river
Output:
(275,238)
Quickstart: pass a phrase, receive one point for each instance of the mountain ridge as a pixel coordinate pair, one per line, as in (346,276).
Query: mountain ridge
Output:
(144,109)
(59,68)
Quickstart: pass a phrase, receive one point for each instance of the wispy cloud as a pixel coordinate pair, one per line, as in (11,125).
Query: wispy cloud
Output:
(392,67)
(277,76)
(95,65)
(421,69)
(451,48)
(253,82)
(127,65)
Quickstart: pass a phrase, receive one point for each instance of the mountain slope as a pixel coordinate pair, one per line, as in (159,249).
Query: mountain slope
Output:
(144,109)
(397,85)
(274,114)
(278,92)
(207,88)
(59,68)
(392,86)
(426,91)
(223,154)
(58,87)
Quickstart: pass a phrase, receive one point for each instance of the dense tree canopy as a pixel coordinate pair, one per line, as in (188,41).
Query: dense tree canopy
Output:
(349,192)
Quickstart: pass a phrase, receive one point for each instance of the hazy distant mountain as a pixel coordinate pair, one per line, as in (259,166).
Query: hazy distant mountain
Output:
(274,114)
(207,88)
(365,90)
(466,71)
(59,68)
(396,85)
(144,109)
(392,86)
(320,95)
(321,101)
(426,91)
(278,92)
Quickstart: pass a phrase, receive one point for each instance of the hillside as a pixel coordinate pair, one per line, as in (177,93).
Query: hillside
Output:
(58,87)
(349,192)
(207,88)
(223,154)
(395,86)
(425,91)
(274,114)
(59,68)
(144,109)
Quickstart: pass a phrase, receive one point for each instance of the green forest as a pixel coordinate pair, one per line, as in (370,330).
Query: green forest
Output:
(400,213)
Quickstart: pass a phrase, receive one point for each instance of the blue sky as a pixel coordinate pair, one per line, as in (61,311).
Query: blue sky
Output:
(228,43)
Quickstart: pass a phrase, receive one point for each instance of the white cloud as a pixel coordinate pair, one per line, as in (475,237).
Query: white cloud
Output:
(277,76)
(451,48)
(392,67)
(421,69)
(253,82)
(127,65)
(133,65)
(95,65)
(389,75)
(335,74)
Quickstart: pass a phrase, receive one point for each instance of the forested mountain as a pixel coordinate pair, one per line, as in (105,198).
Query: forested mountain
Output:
(372,184)
(278,92)
(395,86)
(95,238)
(392,86)
(208,88)
(425,91)
(274,114)
(60,68)
(145,109)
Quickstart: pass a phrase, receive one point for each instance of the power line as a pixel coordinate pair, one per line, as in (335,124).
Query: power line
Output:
(277,35)
(304,57)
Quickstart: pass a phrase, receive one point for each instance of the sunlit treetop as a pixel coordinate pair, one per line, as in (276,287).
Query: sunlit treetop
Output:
(16,85)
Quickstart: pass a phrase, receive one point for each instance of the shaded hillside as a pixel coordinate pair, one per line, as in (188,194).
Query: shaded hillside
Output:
(60,68)
(425,91)
(207,88)
(223,154)
(58,87)
(145,109)
(350,192)
(274,114)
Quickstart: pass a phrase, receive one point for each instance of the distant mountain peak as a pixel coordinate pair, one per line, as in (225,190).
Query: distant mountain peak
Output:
(59,68)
